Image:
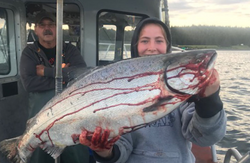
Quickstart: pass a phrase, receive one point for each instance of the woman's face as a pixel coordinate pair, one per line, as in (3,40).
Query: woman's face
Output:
(151,40)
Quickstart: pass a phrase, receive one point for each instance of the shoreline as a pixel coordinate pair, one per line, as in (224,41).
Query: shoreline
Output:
(235,48)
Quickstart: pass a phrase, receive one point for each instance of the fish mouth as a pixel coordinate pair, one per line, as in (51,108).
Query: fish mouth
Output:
(187,75)
(211,62)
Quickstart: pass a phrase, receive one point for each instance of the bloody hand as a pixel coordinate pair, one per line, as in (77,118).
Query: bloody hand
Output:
(99,141)
(212,86)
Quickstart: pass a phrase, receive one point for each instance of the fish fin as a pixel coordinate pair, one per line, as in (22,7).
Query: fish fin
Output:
(54,151)
(157,104)
(8,148)
(29,121)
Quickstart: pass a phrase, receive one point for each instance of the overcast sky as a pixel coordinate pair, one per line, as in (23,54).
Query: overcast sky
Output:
(235,13)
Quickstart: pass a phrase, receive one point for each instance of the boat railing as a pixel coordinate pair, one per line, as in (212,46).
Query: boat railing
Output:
(108,51)
(214,153)
(234,152)
(126,52)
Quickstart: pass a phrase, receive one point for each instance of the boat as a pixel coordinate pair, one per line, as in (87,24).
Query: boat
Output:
(99,29)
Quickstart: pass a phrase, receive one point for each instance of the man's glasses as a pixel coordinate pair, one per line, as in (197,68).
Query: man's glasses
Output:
(50,25)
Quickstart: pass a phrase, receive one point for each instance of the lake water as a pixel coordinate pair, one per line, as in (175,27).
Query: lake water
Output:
(234,70)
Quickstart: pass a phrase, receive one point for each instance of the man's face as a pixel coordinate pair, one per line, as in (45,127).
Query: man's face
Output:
(46,31)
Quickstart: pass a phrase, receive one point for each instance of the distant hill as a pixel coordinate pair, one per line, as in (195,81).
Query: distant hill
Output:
(200,36)
(211,35)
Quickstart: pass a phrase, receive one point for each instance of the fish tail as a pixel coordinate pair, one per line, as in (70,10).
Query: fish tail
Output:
(9,149)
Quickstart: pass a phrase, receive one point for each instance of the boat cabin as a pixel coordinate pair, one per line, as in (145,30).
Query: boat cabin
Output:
(101,30)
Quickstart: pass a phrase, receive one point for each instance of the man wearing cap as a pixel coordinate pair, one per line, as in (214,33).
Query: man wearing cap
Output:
(37,68)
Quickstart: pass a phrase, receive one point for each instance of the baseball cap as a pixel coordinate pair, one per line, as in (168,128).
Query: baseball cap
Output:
(40,16)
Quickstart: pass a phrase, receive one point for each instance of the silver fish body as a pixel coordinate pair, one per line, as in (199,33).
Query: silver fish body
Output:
(121,97)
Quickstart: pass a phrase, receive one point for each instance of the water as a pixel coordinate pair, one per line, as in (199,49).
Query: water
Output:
(234,71)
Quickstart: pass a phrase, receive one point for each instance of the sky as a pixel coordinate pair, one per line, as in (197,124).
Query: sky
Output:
(234,13)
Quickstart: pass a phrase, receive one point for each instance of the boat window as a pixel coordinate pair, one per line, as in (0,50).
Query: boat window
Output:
(129,30)
(7,44)
(71,21)
(114,35)
(107,35)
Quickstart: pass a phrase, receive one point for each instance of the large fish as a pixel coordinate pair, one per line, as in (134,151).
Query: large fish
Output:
(120,97)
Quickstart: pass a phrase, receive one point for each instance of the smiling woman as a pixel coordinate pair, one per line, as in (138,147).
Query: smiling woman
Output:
(152,40)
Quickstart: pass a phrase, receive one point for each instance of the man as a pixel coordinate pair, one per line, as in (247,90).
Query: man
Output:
(37,68)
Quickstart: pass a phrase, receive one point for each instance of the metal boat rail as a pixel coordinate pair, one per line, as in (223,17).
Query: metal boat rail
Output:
(240,159)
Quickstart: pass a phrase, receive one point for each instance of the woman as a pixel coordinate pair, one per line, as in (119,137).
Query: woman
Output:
(168,140)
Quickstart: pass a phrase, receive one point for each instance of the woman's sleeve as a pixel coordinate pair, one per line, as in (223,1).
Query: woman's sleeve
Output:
(121,151)
(204,121)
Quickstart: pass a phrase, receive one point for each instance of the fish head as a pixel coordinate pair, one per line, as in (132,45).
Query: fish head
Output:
(189,72)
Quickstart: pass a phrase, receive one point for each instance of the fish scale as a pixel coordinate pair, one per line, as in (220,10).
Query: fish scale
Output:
(121,97)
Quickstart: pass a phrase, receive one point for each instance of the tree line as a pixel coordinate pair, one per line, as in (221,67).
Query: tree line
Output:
(210,35)
(195,35)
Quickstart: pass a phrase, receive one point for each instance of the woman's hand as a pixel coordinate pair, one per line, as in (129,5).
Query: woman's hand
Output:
(99,142)
(212,85)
